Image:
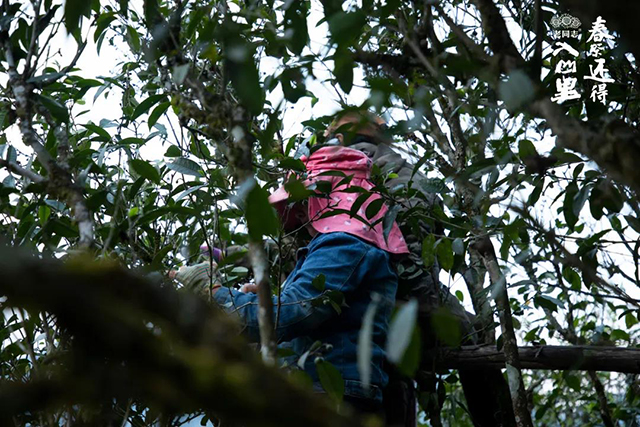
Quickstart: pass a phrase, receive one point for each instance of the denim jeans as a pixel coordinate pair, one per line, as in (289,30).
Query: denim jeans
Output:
(352,267)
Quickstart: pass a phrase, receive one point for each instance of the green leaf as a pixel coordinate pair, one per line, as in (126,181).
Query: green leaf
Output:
(346,27)
(412,356)
(620,335)
(46,77)
(446,327)
(188,191)
(57,110)
(146,170)
(261,217)
(12,154)
(296,189)
(132,140)
(185,166)
(330,379)
(567,207)
(388,221)
(157,213)
(102,24)
(506,245)
(173,151)
(319,282)
(124,7)
(3,117)
(526,149)
(373,208)
(401,330)
(156,263)
(630,320)
(532,335)
(145,105)
(179,73)
(572,277)
(580,199)
(232,258)
(432,185)
(535,194)
(428,250)
(292,164)
(633,222)
(293,87)
(157,112)
(152,14)
(295,25)
(43,214)
(550,303)
(73,11)
(458,246)
(365,340)
(134,38)
(9,182)
(445,253)
(479,168)
(103,135)
(359,202)
(573,381)
(343,69)
(333,173)
(242,70)
(63,227)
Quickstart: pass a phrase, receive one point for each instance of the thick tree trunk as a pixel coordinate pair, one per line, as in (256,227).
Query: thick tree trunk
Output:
(487,396)
(584,358)
(191,357)
(510,346)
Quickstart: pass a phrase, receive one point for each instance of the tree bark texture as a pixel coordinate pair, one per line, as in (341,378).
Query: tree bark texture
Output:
(510,346)
(582,358)
(60,182)
(146,341)
(260,267)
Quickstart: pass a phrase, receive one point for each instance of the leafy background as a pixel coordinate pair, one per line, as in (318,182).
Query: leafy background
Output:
(151,127)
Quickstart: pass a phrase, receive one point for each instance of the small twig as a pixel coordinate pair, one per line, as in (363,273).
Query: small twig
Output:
(467,42)
(125,419)
(34,37)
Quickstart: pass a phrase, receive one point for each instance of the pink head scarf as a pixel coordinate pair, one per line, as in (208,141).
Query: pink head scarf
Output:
(349,162)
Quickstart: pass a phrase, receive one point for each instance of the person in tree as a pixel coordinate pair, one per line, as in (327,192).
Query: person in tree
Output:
(486,391)
(366,132)
(346,267)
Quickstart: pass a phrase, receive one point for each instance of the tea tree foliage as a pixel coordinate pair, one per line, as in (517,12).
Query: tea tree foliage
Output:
(540,201)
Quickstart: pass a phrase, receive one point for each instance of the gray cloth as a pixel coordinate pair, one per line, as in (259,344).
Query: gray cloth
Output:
(415,280)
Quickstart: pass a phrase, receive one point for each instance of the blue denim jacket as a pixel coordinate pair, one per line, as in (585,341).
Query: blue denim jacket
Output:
(355,268)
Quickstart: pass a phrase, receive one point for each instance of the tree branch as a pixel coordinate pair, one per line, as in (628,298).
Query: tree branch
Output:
(563,358)
(613,146)
(573,260)
(239,152)
(496,31)
(192,350)
(510,346)
(569,334)
(60,180)
(466,41)
(14,167)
